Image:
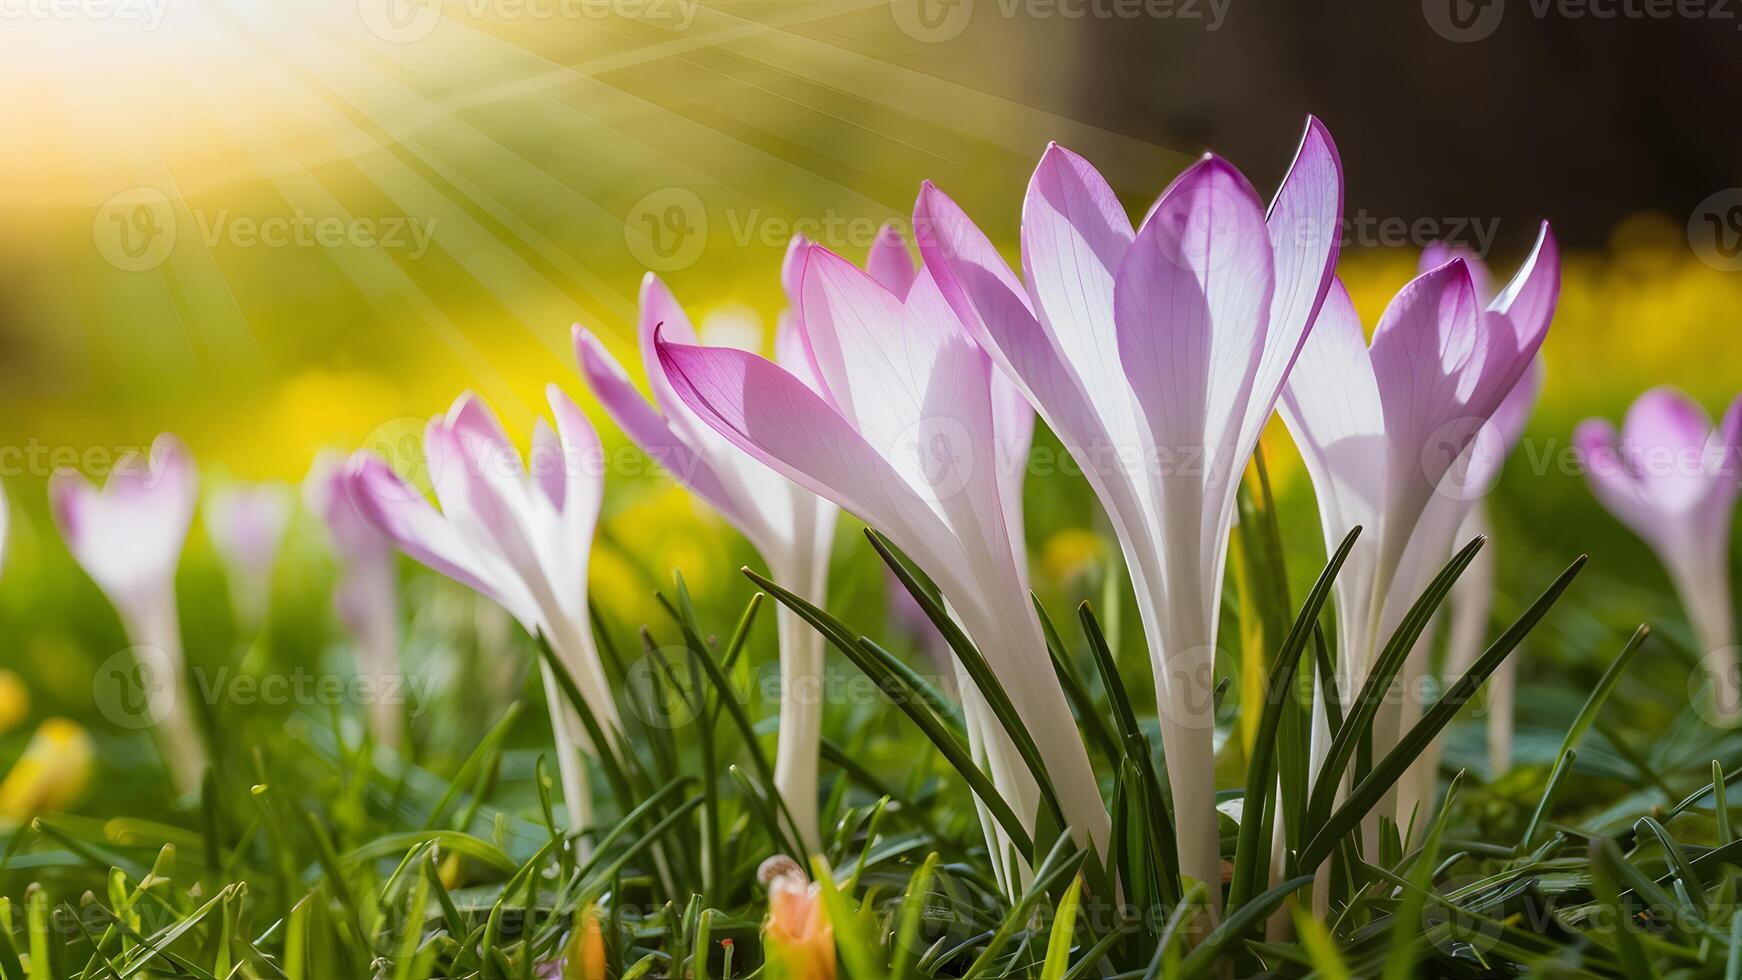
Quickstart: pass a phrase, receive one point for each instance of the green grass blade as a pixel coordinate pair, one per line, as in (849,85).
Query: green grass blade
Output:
(1252,853)
(1391,768)
(1064,931)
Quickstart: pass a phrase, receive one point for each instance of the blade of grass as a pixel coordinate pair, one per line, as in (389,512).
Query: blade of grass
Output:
(1391,768)
(1357,725)
(1252,852)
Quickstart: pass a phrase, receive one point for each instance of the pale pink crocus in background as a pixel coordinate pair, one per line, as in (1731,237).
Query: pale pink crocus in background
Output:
(791,527)
(366,597)
(522,538)
(246,524)
(903,431)
(128,538)
(1673,479)
(1156,355)
(1383,430)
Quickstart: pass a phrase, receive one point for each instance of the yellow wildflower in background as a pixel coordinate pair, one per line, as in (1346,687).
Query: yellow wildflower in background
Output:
(14,700)
(52,774)
(1073,555)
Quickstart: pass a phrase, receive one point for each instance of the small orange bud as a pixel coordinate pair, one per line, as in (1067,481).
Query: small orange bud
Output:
(585,957)
(798,934)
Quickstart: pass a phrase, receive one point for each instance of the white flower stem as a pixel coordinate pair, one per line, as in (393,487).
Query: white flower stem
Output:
(801,718)
(154,623)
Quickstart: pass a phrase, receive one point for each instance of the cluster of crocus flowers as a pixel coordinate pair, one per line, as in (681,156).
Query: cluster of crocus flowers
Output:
(518,534)
(366,597)
(1156,355)
(1673,479)
(896,420)
(246,524)
(128,538)
(1390,434)
(791,527)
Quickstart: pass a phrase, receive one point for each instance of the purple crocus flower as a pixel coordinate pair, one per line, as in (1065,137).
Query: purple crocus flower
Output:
(517,536)
(1672,478)
(246,523)
(1399,437)
(791,527)
(366,597)
(1156,355)
(1470,606)
(128,538)
(902,430)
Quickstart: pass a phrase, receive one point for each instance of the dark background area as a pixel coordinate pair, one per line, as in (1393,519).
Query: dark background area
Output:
(1584,119)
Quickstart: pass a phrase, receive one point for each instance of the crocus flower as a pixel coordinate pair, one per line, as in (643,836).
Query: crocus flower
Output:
(798,933)
(1672,479)
(1156,356)
(1471,602)
(367,595)
(1387,435)
(52,774)
(791,527)
(521,538)
(128,538)
(903,431)
(246,523)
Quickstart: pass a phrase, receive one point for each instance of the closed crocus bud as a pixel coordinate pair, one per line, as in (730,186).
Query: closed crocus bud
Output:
(518,534)
(366,597)
(1672,478)
(128,538)
(798,934)
(246,523)
(52,774)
